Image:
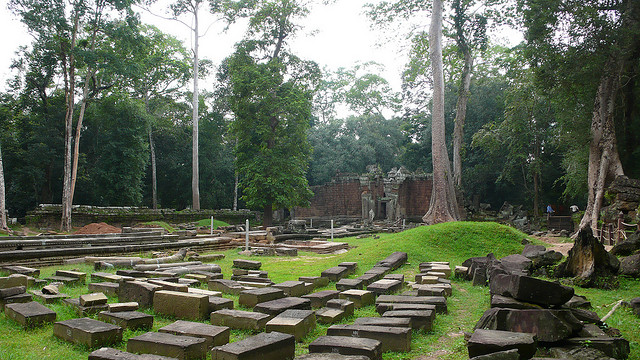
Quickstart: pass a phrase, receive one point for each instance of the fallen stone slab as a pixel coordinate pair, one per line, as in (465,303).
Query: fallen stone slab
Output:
(591,330)
(460,272)
(381,271)
(175,346)
(213,335)
(335,273)
(182,305)
(319,299)
(138,291)
(529,289)
(292,288)
(204,292)
(85,310)
(48,299)
(108,288)
(385,286)
(16,299)
(420,319)
(255,273)
(93,299)
(325,356)
(12,291)
(501,355)
(393,261)
(384,307)
(384,321)
(98,277)
(202,279)
(238,319)
(348,284)
(484,342)
(218,303)
(250,298)
(298,323)
(345,345)
(23,270)
(29,314)
(119,307)
(264,346)
(360,298)
(352,266)
(114,354)
(430,290)
(578,302)
(81,276)
(635,305)
(133,320)
(391,338)
(168,285)
(327,315)
(227,286)
(546,324)
(499,301)
(14,280)
(342,304)
(399,277)
(247,264)
(426,279)
(317,281)
(275,307)
(88,332)
(368,278)
(439,301)
(617,348)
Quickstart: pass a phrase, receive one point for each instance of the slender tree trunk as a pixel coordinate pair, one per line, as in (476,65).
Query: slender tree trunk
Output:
(195,178)
(267,219)
(3,205)
(70,75)
(235,193)
(461,115)
(154,181)
(444,205)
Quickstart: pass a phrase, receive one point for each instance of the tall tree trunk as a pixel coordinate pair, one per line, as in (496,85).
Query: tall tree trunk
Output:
(70,87)
(461,115)
(3,205)
(235,193)
(154,179)
(267,218)
(195,178)
(444,205)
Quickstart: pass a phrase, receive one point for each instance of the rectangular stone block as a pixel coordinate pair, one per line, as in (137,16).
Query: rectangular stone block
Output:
(385,286)
(275,307)
(98,277)
(368,278)
(114,354)
(429,290)
(292,288)
(93,299)
(138,291)
(264,346)
(420,319)
(399,277)
(319,299)
(23,270)
(360,298)
(213,335)
(29,314)
(16,299)
(293,322)
(12,291)
(182,305)
(237,319)
(345,345)
(88,332)
(203,279)
(134,320)
(107,288)
(218,303)
(352,266)
(14,280)
(227,286)
(247,264)
(328,315)
(171,286)
(382,308)
(321,356)
(335,273)
(251,298)
(439,301)
(85,310)
(384,321)
(393,261)
(348,284)
(204,292)
(318,281)
(81,276)
(381,271)
(189,282)
(128,306)
(391,338)
(175,346)
(343,304)
(48,299)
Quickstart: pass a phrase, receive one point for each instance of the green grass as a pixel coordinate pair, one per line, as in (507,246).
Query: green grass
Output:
(452,242)
(216,223)
(162,224)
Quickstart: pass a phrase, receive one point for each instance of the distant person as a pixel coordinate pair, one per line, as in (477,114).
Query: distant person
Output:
(574,208)
(550,211)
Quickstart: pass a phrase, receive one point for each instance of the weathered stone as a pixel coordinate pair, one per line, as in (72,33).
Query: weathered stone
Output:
(138,291)
(14,280)
(218,303)
(275,307)
(586,316)
(51,289)
(108,288)
(617,348)
(360,298)
(29,314)
(15,299)
(430,290)
(348,284)
(264,346)
(319,299)
(204,292)
(171,286)
(547,325)
(516,263)
(529,289)
(88,332)
(345,345)
(237,319)
(352,266)
(627,247)
(318,281)
(12,291)
(342,304)
(578,301)
(227,286)
(384,307)
(327,315)
(293,322)
(499,301)
(292,288)
(98,277)
(484,342)
(85,310)
(247,264)
(244,272)
(113,354)
(479,277)
(399,277)
(393,261)
(420,319)
(630,265)
(23,270)
(384,321)
(48,299)
(461,272)
(189,282)
(635,305)
(578,353)
(93,299)
(128,306)
(335,273)
(591,330)
(439,301)
(380,270)
(500,355)
(176,346)
(213,335)
(181,304)
(368,278)
(134,320)
(385,286)
(540,256)
(202,279)
(250,298)
(321,356)
(391,338)
(285,251)
(73,274)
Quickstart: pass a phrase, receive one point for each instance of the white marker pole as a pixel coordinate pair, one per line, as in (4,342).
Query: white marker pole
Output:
(331,230)
(211,231)
(246,241)
(404,223)
(311,223)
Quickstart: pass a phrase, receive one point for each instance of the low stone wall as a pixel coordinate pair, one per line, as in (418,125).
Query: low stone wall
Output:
(48,216)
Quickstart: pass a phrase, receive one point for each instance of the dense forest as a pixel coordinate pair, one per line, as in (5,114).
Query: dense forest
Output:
(101,110)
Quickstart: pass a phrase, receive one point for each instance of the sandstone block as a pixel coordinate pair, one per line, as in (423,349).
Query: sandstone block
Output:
(175,346)
(88,332)
(29,314)
(134,320)
(213,335)
(264,346)
(181,304)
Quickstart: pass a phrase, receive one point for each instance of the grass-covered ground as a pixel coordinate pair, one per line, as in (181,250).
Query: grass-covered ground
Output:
(452,242)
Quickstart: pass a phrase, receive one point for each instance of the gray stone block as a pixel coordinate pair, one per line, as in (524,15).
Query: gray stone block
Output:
(29,314)
(237,319)
(484,342)
(319,299)
(384,321)
(133,320)
(113,354)
(391,338)
(182,305)
(264,346)
(213,335)
(420,319)
(275,307)
(88,332)
(176,346)
(335,273)
(360,298)
(347,346)
(251,298)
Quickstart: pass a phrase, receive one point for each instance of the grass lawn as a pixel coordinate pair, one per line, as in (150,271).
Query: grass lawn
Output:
(452,242)
(216,223)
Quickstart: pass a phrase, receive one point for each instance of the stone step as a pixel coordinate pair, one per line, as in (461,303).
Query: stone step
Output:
(175,346)
(264,346)
(391,338)
(345,345)
(88,332)
(238,319)
(213,335)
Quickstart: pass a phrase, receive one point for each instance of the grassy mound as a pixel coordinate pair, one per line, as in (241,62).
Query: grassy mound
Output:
(216,223)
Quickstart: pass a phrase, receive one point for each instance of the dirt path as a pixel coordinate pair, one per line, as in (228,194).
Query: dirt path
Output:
(560,245)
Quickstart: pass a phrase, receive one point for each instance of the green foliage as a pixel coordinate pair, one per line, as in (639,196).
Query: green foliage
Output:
(216,223)
(162,224)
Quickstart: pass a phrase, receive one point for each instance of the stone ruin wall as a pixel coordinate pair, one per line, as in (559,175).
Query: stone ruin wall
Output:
(393,196)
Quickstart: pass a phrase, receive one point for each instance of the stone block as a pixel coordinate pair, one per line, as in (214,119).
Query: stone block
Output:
(420,319)
(251,298)
(29,314)
(532,290)
(133,320)
(189,282)
(119,307)
(85,310)
(318,281)
(448,290)
(16,299)
(384,321)
(381,271)
(426,279)
(348,284)
(391,338)
(204,292)
(393,261)
(237,319)
(385,286)
(384,307)
(345,305)
(81,276)
(200,278)
(399,277)
(93,299)
(335,273)
(430,290)
(285,251)
(47,298)
(617,348)
(213,335)
(227,286)
(293,322)
(138,291)
(12,291)
(114,354)
(460,272)
(439,301)
(108,288)
(175,346)
(88,332)
(292,288)
(501,355)
(329,315)
(218,303)
(264,346)
(171,286)
(352,266)
(319,299)
(275,307)
(345,345)
(182,305)
(98,277)
(247,264)
(360,298)
(484,342)
(325,356)
(14,280)
(22,270)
